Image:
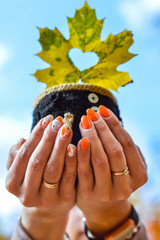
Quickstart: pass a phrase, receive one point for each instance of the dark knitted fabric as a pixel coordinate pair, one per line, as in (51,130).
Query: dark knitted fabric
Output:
(75,102)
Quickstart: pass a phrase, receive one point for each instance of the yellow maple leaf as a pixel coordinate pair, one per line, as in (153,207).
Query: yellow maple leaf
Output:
(85,32)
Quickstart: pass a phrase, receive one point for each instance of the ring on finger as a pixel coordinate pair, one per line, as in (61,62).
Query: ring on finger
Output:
(124,172)
(49,185)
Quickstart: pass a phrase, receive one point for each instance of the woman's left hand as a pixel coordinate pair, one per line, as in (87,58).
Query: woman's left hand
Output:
(102,195)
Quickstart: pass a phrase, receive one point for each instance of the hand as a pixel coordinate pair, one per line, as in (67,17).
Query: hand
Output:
(44,156)
(101,195)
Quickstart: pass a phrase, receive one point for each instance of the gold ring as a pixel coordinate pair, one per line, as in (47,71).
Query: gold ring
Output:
(124,172)
(50,186)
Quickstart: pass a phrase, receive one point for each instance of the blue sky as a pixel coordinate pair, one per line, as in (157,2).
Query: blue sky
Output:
(139,102)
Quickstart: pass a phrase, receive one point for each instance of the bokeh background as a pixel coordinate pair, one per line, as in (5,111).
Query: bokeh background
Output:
(139,102)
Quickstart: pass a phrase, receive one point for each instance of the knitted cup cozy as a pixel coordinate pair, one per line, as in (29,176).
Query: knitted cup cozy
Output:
(72,100)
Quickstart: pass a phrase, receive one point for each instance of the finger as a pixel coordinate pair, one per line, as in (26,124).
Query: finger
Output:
(112,147)
(19,165)
(54,167)
(99,158)
(85,172)
(67,184)
(134,160)
(13,152)
(113,150)
(143,159)
(20,142)
(41,155)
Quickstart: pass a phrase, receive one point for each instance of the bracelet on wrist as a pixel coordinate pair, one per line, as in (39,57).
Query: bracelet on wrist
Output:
(124,231)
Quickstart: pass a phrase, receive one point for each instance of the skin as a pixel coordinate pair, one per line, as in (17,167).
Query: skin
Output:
(44,155)
(111,149)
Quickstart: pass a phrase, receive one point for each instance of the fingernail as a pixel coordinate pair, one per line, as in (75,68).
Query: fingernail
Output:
(65,131)
(84,143)
(92,115)
(103,111)
(19,143)
(85,122)
(71,149)
(57,123)
(47,120)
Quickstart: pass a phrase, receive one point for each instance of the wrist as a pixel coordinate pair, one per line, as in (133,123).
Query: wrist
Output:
(42,215)
(125,231)
(40,224)
(109,219)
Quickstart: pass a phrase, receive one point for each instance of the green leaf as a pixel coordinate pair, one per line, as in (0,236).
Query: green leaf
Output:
(112,52)
(85,32)
(55,52)
(85,29)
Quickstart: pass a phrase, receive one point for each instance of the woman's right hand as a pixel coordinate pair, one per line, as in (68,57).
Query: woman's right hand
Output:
(44,156)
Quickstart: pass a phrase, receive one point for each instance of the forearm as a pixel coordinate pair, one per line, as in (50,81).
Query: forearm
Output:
(39,225)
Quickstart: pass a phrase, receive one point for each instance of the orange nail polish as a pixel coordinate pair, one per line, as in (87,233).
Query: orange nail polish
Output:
(104,112)
(92,115)
(71,148)
(84,144)
(68,149)
(47,120)
(85,122)
(59,119)
(57,123)
(65,131)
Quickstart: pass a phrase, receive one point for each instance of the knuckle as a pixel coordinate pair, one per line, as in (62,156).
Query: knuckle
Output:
(70,177)
(100,162)
(72,164)
(116,151)
(127,141)
(83,174)
(102,128)
(52,172)
(47,138)
(28,199)
(142,179)
(26,202)
(10,185)
(113,122)
(35,164)
(145,178)
(12,152)
(36,133)
(23,152)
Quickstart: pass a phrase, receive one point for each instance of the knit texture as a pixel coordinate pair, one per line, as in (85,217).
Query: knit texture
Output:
(75,102)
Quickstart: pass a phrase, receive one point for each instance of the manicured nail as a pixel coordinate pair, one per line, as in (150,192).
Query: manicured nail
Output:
(103,111)
(84,143)
(92,115)
(19,143)
(65,131)
(85,122)
(71,149)
(57,123)
(47,120)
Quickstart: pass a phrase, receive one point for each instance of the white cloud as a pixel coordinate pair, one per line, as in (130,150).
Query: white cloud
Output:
(5,55)
(139,12)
